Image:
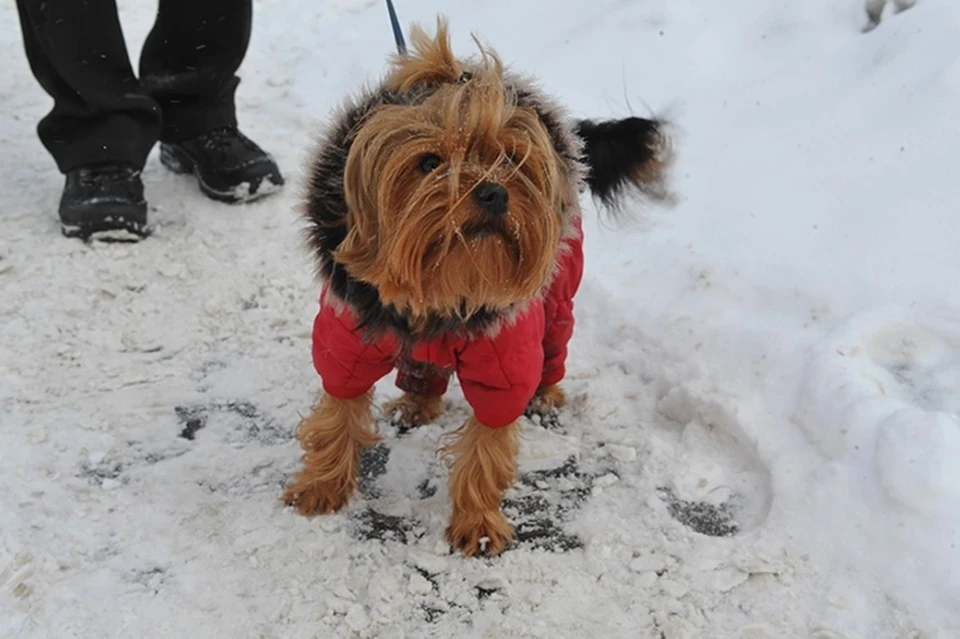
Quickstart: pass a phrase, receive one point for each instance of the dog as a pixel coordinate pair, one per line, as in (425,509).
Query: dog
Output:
(443,214)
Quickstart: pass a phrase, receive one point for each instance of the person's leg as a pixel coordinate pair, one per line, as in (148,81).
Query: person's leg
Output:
(102,125)
(77,53)
(189,65)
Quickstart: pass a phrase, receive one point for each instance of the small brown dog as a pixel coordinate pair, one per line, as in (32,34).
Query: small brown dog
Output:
(443,212)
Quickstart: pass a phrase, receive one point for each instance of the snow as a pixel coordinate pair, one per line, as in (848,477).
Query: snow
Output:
(762,439)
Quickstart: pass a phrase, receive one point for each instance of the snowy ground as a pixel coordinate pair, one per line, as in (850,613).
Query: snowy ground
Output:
(764,436)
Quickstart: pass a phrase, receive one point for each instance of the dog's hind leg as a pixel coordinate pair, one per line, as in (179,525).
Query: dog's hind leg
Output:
(332,437)
(548,398)
(558,328)
(413,409)
(423,387)
(483,464)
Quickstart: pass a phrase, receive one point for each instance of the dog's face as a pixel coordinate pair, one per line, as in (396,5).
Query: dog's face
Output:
(455,201)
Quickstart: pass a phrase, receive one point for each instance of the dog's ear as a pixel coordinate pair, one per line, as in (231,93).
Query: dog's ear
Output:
(624,155)
(432,60)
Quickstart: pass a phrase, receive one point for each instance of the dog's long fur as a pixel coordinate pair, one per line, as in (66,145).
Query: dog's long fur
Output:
(332,437)
(393,247)
(483,465)
(608,157)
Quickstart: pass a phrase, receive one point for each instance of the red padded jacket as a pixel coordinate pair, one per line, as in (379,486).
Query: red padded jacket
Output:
(499,375)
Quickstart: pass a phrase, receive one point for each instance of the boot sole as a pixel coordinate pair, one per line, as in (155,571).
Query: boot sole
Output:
(107,223)
(180,163)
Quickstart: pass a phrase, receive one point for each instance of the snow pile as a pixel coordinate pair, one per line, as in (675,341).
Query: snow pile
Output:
(880,403)
(763,434)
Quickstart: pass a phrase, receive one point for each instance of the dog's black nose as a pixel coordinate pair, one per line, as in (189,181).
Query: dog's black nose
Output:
(491,197)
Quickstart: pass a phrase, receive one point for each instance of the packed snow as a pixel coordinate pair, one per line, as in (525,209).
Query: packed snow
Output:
(763,436)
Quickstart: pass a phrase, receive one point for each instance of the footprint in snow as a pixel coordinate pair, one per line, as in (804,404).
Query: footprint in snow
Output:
(539,505)
(718,486)
(240,421)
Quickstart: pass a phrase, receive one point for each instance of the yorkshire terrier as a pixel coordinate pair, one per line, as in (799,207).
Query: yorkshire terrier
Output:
(443,214)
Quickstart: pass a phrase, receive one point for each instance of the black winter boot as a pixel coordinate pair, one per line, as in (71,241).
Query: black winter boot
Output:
(104,201)
(229,166)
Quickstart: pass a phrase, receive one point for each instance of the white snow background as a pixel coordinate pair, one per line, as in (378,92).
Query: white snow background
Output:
(763,437)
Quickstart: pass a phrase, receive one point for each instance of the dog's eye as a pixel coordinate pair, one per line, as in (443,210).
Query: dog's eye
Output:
(513,156)
(429,163)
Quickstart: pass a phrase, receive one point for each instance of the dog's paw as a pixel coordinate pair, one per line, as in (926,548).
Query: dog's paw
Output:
(485,533)
(548,399)
(411,409)
(311,497)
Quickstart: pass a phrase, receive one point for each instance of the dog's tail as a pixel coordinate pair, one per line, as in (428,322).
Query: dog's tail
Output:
(626,157)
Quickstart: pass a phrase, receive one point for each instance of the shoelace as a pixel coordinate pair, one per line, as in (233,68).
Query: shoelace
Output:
(225,140)
(227,147)
(103,176)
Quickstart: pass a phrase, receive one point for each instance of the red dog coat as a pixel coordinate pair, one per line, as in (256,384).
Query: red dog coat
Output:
(499,375)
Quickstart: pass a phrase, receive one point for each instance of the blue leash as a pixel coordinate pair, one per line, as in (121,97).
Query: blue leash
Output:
(397,31)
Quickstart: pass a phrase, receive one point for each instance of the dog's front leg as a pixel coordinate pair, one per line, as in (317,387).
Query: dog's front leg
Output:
(483,463)
(332,437)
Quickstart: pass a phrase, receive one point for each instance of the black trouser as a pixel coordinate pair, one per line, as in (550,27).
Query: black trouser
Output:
(101,112)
